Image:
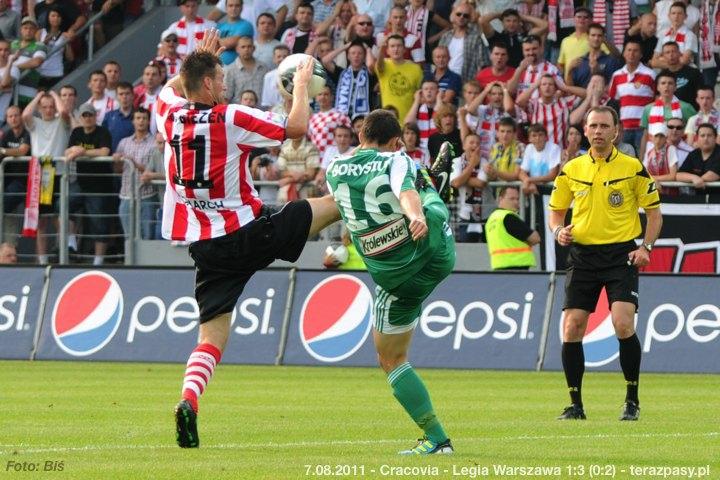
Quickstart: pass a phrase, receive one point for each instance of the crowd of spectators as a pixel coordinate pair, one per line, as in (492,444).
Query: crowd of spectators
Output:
(506,82)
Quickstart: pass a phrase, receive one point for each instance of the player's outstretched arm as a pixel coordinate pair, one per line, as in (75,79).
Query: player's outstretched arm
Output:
(411,206)
(297,121)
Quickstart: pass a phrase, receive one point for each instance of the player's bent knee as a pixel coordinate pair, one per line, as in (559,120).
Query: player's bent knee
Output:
(389,362)
(574,325)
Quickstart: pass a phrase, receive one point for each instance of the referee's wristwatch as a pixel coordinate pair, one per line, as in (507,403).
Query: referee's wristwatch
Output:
(648,247)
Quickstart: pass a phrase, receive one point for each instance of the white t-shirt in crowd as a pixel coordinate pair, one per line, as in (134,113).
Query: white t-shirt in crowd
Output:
(457,56)
(537,164)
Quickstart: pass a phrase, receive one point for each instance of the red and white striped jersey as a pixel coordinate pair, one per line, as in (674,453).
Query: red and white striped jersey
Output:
(633,91)
(531,74)
(172,65)
(426,125)
(321,128)
(485,124)
(103,106)
(188,33)
(210,192)
(147,100)
(554,116)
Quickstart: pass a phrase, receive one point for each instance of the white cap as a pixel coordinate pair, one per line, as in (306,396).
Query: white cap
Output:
(658,129)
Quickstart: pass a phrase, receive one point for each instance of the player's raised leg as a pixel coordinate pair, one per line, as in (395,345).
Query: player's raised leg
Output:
(199,370)
(324,213)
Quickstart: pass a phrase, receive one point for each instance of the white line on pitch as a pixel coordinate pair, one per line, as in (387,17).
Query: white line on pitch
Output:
(231,446)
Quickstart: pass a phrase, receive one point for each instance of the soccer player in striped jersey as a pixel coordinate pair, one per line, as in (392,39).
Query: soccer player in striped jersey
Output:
(210,200)
(399,226)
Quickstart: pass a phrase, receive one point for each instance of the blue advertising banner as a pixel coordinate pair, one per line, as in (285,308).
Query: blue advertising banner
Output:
(20,293)
(678,325)
(470,321)
(151,315)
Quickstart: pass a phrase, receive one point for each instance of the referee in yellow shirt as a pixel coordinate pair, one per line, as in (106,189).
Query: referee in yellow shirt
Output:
(607,188)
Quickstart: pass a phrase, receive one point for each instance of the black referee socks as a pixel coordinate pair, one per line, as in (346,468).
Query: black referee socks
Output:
(573,361)
(630,353)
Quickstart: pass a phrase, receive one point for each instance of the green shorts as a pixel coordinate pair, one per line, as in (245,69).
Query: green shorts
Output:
(398,305)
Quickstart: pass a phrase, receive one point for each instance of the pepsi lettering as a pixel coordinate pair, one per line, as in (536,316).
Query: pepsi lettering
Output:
(246,308)
(702,325)
(440,317)
(13,311)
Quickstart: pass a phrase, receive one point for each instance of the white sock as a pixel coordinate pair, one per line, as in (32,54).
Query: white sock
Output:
(72,242)
(98,260)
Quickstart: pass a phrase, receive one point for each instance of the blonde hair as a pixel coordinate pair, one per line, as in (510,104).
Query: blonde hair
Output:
(442,111)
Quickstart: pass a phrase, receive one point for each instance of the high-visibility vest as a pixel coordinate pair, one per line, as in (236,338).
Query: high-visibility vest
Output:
(506,250)
(354,261)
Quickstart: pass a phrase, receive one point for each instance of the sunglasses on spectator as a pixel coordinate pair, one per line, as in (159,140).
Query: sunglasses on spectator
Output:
(675,127)
(463,15)
(364,24)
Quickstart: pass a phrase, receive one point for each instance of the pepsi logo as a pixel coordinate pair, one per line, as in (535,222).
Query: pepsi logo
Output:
(335,318)
(600,343)
(87,313)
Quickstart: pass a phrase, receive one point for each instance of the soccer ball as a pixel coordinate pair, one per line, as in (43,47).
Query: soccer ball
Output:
(286,71)
(335,256)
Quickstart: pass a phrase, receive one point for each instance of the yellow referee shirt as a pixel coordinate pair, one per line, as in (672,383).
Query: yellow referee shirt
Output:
(606,194)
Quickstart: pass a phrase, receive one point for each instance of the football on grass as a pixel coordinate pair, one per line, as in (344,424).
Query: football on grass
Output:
(286,71)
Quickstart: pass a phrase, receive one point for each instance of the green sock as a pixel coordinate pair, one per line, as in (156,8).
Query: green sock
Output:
(410,391)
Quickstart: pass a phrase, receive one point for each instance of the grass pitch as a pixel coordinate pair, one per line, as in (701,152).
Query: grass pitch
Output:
(109,421)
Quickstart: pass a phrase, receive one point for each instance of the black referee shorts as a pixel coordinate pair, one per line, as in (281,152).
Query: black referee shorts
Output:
(592,268)
(224,265)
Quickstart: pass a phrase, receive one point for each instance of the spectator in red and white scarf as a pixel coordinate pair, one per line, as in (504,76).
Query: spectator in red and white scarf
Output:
(190,28)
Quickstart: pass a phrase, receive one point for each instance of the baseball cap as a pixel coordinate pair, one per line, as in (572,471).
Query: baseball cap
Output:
(28,19)
(87,108)
(658,129)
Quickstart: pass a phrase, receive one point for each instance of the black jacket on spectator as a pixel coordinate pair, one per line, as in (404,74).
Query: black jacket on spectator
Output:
(99,138)
(437,139)
(67,8)
(688,79)
(15,171)
(647,45)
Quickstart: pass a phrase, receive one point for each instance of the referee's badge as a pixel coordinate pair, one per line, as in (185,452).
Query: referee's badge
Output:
(615,199)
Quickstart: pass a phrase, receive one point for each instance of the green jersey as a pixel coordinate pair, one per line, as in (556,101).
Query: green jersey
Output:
(362,185)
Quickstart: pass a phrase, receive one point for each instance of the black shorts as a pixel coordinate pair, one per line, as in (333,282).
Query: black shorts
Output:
(224,265)
(594,267)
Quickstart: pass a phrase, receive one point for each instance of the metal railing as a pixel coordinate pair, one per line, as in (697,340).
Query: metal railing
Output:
(63,202)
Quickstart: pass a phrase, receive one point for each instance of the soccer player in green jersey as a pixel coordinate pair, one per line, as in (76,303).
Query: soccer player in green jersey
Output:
(403,235)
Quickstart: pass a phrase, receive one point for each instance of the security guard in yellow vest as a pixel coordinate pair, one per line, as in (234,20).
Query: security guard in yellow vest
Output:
(509,240)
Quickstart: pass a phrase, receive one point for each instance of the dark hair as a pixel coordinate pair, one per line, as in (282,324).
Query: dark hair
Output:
(503,191)
(679,5)
(596,26)
(708,88)
(70,87)
(281,46)
(380,127)
(396,37)
(357,43)
(250,91)
(413,127)
(707,125)
(112,62)
(265,14)
(306,5)
(343,127)
(97,72)
(510,12)
(197,66)
(507,122)
(665,73)
(531,39)
(499,44)
(672,44)
(537,128)
(55,9)
(143,111)
(633,40)
(604,109)
(124,86)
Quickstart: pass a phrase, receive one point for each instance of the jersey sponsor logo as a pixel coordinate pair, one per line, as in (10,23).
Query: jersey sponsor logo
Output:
(384,238)
(87,313)
(651,188)
(616,198)
(355,170)
(335,318)
(204,204)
